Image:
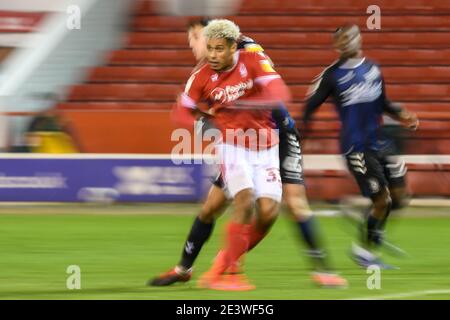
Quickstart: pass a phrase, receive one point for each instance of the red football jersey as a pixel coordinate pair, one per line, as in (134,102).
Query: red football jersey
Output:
(244,82)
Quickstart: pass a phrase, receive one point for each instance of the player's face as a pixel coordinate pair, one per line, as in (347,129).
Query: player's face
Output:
(220,54)
(197,42)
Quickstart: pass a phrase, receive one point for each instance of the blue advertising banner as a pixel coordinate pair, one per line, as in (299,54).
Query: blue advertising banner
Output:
(99,179)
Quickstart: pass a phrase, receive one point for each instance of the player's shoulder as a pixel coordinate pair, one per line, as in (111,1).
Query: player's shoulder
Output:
(255,59)
(199,77)
(333,66)
(370,62)
(251,56)
(247,44)
(328,70)
(202,72)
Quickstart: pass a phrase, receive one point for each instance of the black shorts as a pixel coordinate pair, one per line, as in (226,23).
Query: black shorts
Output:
(291,161)
(374,170)
(218,181)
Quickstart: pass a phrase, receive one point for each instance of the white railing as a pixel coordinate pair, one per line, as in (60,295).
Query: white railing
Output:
(56,56)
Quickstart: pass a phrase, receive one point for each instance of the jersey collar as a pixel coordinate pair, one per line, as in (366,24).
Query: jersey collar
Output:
(352,63)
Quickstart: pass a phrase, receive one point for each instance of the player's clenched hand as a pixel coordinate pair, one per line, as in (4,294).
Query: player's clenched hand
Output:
(409,120)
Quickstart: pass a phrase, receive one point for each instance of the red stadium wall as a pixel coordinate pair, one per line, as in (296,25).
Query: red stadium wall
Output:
(122,131)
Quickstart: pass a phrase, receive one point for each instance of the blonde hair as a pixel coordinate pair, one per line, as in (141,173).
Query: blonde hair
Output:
(221,29)
(347,39)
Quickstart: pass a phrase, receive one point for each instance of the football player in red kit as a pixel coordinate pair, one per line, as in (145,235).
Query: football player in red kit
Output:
(249,163)
(293,191)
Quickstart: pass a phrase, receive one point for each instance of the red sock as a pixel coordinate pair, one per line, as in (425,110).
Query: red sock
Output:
(255,235)
(238,240)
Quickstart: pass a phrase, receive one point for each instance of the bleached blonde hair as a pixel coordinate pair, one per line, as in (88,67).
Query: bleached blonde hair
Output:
(221,29)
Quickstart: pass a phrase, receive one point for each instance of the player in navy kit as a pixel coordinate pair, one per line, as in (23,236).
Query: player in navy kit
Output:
(291,172)
(357,87)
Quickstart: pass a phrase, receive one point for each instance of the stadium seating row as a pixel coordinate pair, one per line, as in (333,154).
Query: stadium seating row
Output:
(305,23)
(297,40)
(291,57)
(292,75)
(167,92)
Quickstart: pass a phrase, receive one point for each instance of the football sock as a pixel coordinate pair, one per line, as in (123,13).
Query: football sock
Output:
(310,235)
(237,243)
(199,234)
(255,235)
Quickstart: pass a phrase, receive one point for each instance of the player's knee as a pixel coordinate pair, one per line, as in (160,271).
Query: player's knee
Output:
(298,207)
(400,198)
(243,201)
(382,201)
(296,202)
(213,207)
(267,211)
(206,215)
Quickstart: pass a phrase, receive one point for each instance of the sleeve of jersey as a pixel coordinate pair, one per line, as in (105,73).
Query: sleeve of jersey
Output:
(183,111)
(248,44)
(316,95)
(269,80)
(389,107)
(253,47)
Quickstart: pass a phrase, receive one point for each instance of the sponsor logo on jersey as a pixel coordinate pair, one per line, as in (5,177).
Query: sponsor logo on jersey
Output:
(361,92)
(218,94)
(231,93)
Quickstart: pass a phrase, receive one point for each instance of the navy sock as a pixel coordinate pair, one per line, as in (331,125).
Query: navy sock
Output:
(200,233)
(310,235)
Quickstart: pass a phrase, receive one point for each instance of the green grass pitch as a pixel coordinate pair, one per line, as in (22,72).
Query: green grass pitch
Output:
(118,248)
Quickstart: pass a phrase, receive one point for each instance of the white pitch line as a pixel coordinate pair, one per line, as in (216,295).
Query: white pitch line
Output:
(404,295)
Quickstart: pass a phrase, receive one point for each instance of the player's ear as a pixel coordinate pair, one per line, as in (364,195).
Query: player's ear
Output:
(233,47)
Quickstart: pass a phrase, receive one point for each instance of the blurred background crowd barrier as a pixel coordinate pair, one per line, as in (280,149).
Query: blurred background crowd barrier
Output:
(108,87)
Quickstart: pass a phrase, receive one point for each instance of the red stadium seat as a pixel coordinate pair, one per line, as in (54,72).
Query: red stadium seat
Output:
(345,6)
(155,74)
(167,92)
(124,92)
(297,40)
(140,74)
(292,57)
(295,22)
(322,7)
(116,105)
(153,57)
